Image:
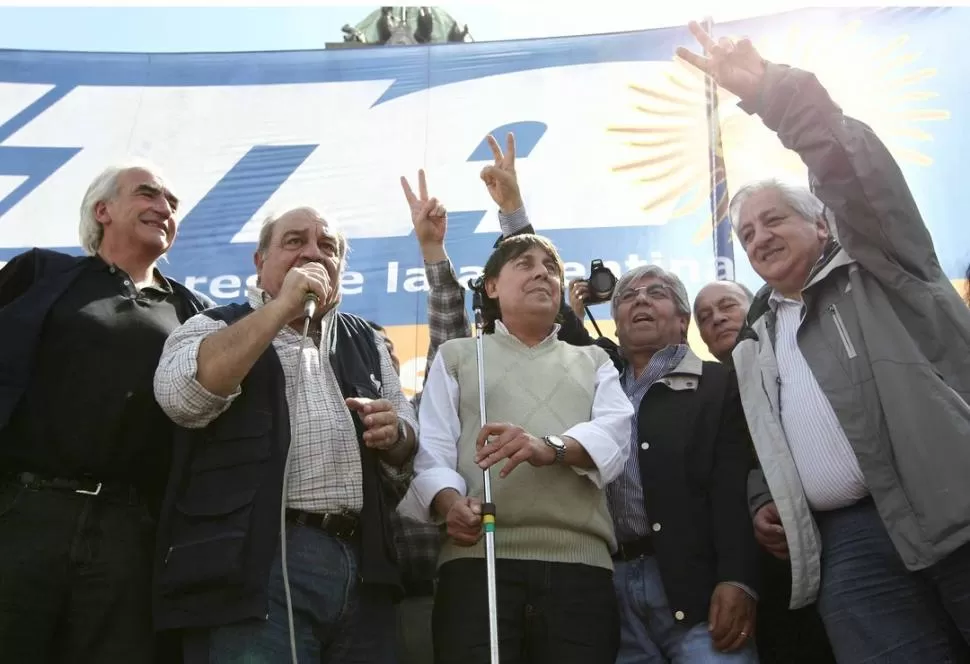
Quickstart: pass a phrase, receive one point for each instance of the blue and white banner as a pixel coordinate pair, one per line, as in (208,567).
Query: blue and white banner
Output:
(613,144)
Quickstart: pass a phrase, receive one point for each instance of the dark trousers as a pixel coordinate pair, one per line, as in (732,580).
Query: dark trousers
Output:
(785,636)
(414,644)
(336,620)
(548,613)
(75,578)
(875,610)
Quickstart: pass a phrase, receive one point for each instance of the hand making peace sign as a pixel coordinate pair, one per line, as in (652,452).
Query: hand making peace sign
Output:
(500,177)
(737,67)
(429,217)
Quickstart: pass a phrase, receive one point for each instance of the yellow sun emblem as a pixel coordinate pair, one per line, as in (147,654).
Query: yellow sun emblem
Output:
(871,80)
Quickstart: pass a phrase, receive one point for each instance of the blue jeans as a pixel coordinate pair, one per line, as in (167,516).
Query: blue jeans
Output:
(648,632)
(874,609)
(335,620)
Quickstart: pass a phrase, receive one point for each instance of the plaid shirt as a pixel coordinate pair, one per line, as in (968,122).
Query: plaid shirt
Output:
(325,472)
(418,543)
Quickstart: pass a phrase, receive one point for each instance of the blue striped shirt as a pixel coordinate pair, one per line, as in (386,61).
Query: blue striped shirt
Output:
(826,463)
(625,494)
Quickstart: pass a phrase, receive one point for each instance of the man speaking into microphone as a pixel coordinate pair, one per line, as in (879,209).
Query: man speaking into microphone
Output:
(254,395)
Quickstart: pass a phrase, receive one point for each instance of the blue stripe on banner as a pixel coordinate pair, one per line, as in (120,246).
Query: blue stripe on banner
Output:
(37,164)
(215,220)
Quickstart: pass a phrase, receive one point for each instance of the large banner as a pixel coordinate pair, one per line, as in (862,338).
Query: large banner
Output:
(613,145)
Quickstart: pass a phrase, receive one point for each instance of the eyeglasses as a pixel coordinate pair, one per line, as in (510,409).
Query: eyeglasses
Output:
(656,292)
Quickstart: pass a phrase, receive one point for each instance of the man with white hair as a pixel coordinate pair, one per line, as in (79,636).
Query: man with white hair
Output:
(282,433)
(855,378)
(84,448)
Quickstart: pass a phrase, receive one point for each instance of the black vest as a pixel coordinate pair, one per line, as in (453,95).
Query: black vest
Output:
(220,523)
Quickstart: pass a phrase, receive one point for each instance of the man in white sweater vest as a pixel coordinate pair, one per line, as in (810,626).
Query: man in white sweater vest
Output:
(561,410)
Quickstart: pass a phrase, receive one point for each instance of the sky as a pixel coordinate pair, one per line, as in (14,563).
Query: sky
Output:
(190,27)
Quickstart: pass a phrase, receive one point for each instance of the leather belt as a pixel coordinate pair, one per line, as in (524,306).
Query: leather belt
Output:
(635,549)
(342,525)
(86,487)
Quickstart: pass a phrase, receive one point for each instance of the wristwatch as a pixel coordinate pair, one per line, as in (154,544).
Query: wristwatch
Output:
(556,443)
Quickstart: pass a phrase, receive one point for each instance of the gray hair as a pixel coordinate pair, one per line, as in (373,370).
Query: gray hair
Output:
(670,279)
(266,231)
(103,188)
(798,198)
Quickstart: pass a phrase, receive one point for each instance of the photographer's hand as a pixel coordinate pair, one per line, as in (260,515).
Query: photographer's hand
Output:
(578,292)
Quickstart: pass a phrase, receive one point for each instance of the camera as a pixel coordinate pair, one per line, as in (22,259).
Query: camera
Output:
(600,284)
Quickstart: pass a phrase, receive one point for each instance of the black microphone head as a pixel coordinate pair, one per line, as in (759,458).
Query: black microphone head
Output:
(475,284)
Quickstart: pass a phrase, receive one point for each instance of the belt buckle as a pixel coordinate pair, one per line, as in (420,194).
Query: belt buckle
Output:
(96,491)
(351,518)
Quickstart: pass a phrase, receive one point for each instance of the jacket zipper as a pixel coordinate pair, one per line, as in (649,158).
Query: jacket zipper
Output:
(844,333)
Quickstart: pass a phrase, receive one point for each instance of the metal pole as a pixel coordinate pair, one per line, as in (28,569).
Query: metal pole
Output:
(488,507)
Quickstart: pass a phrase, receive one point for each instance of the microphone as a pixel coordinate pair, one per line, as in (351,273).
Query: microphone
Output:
(477,287)
(310,303)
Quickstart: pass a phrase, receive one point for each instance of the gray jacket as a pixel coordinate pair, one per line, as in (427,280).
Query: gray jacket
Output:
(885,333)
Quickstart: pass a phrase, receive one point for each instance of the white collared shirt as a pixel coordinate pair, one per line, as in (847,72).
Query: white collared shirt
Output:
(827,465)
(605,437)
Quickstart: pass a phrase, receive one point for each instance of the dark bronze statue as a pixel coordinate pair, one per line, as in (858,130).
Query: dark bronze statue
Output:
(385,24)
(425,29)
(456,35)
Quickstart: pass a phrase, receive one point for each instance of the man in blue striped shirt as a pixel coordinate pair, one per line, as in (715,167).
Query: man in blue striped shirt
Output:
(687,564)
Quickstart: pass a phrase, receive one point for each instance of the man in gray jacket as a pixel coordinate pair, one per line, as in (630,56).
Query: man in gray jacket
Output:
(854,368)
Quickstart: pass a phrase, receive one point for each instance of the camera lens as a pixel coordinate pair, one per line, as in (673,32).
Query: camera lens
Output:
(601,283)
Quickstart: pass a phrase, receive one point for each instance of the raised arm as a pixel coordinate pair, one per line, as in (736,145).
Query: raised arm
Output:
(503,186)
(226,357)
(178,391)
(447,318)
(855,176)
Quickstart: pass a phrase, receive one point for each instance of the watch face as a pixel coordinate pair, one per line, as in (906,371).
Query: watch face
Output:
(557,444)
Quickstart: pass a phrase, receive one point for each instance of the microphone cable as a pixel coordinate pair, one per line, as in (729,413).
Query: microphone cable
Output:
(309,310)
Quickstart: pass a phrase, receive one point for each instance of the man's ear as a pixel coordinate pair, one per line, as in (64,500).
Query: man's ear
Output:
(258,262)
(491,288)
(101,214)
(822,229)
